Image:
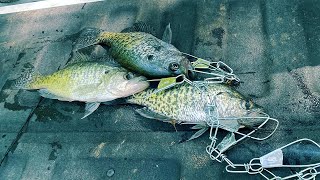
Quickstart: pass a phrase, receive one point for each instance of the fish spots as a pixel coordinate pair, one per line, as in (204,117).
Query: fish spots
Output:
(218,33)
(150,57)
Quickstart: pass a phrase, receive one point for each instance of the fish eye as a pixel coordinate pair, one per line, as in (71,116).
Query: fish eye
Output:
(150,57)
(129,76)
(173,66)
(247,104)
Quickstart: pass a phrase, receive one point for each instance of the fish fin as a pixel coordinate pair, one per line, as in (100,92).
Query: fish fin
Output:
(226,142)
(79,57)
(24,81)
(87,37)
(174,122)
(90,108)
(167,34)
(140,27)
(198,133)
(199,126)
(46,94)
(147,113)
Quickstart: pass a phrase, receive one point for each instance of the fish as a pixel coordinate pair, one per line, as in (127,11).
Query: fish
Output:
(141,26)
(85,81)
(139,52)
(189,104)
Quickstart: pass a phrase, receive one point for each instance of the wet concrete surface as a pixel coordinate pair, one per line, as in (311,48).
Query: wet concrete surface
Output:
(271,45)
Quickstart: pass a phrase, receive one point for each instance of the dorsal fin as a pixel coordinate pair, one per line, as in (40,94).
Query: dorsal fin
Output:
(167,34)
(140,27)
(147,113)
(79,57)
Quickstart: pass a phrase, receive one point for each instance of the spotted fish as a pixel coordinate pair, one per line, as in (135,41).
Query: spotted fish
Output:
(139,51)
(190,104)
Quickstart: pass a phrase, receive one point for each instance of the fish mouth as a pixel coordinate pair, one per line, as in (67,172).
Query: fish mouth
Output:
(137,84)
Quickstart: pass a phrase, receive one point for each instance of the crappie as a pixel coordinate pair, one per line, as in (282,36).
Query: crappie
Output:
(89,82)
(139,51)
(188,104)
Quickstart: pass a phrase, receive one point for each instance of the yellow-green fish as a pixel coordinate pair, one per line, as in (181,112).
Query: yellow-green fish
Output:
(191,105)
(90,82)
(139,52)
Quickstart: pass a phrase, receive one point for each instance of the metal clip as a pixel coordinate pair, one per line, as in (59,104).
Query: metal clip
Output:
(216,151)
(219,71)
(272,160)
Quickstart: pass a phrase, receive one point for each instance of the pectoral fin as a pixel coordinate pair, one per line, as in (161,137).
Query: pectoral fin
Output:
(199,126)
(147,113)
(167,34)
(90,108)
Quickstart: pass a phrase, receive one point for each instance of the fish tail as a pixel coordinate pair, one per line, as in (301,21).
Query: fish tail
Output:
(26,80)
(88,37)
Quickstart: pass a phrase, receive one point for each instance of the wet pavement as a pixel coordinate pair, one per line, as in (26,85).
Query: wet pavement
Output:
(273,46)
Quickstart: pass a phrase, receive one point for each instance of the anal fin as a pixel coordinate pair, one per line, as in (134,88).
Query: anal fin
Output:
(147,113)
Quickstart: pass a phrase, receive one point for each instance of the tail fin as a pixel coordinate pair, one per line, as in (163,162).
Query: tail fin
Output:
(87,37)
(24,81)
